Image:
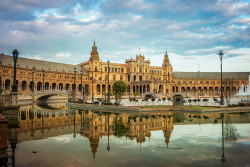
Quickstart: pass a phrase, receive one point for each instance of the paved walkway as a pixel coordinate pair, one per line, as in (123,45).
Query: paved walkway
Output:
(211,102)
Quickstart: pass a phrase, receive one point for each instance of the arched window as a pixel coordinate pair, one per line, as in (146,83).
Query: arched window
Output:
(140,78)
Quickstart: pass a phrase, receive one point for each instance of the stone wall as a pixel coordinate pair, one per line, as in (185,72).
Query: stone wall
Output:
(5,99)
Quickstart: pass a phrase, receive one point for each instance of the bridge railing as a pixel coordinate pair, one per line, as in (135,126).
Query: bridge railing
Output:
(52,92)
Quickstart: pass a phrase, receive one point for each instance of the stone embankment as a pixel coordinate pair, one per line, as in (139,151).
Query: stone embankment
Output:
(129,109)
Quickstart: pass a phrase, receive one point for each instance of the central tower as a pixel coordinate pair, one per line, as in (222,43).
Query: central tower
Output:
(94,55)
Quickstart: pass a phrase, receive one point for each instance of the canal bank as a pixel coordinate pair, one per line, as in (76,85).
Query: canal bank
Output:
(139,109)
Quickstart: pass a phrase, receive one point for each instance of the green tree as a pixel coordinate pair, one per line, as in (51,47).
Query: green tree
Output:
(119,88)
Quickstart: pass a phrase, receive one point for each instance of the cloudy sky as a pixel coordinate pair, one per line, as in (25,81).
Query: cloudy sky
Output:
(193,31)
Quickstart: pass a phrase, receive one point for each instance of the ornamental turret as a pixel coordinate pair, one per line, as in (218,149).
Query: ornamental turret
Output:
(167,68)
(166,62)
(94,55)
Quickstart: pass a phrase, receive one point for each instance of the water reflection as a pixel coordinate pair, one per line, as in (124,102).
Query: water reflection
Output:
(36,123)
(223,158)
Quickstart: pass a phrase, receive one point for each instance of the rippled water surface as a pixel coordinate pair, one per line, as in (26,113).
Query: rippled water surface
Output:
(59,136)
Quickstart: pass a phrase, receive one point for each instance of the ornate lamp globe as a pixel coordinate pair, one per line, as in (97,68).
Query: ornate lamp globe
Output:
(15,54)
(221,53)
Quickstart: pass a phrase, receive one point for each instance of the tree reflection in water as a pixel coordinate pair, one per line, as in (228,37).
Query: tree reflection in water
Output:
(119,127)
(231,134)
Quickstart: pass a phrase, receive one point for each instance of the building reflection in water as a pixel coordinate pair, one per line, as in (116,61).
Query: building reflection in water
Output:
(43,123)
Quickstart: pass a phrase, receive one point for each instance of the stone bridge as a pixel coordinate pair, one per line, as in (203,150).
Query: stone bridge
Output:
(43,95)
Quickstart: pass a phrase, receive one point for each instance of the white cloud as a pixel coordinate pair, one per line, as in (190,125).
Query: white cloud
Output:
(58,16)
(63,55)
(242,21)
(84,20)
(135,18)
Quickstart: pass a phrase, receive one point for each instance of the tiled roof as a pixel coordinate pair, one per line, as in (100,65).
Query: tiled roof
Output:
(210,75)
(40,65)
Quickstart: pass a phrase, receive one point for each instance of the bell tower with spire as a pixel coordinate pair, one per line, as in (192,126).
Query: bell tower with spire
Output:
(167,72)
(94,55)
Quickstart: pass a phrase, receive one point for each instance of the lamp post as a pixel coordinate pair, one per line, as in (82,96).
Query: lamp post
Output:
(221,95)
(81,80)
(129,87)
(15,56)
(33,70)
(105,89)
(74,82)
(83,93)
(108,82)
(43,79)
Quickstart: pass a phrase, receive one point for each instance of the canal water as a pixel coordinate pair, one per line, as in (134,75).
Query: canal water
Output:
(55,135)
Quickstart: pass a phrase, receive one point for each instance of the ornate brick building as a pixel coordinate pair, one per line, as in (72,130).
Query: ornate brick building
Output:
(135,72)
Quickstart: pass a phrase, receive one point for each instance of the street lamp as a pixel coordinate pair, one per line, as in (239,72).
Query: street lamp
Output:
(33,70)
(43,79)
(82,93)
(15,56)
(221,95)
(105,89)
(108,82)
(81,80)
(74,82)
(74,78)
(129,87)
